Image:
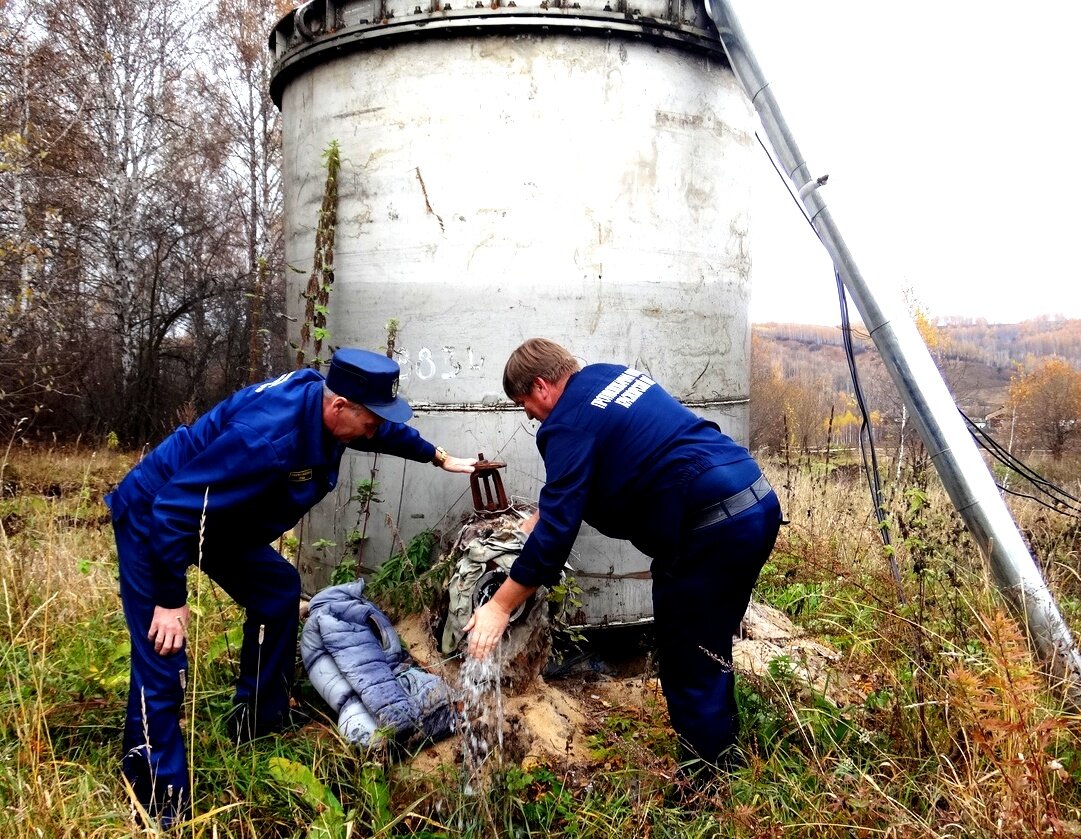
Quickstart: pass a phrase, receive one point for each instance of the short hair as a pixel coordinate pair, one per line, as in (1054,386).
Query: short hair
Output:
(330,395)
(537,357)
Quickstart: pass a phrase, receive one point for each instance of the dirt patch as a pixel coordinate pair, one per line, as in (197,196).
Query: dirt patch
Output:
(550,721)
(554,720)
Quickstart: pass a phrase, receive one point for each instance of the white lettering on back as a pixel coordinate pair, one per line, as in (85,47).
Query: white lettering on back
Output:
(624,389)
(274,383)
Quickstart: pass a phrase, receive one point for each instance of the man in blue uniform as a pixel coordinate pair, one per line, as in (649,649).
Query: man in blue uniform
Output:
(621,454)
(217,494)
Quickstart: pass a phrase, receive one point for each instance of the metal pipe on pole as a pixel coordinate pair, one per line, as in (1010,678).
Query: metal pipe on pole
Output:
(952,450)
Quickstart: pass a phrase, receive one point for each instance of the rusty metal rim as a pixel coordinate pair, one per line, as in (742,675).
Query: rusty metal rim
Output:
(470,23)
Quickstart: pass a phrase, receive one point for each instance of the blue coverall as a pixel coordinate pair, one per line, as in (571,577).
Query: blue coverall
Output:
(255,464)
(623,455)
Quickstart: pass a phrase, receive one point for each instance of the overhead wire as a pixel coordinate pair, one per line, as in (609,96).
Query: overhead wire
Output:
(868,452)
(1061,502)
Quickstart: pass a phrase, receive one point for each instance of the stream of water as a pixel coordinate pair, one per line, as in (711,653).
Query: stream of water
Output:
(480,718)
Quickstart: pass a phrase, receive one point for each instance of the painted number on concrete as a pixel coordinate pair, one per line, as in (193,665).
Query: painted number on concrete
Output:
(444,363)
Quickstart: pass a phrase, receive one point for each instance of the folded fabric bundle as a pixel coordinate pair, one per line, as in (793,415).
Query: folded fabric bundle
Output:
(355,660)
(497,550)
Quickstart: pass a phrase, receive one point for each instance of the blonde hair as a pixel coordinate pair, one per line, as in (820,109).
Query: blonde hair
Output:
(537,357)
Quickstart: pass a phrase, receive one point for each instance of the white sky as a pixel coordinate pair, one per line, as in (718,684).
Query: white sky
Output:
(951,132)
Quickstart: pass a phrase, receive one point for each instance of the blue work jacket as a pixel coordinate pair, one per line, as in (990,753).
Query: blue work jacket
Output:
(241,475)
(621,454)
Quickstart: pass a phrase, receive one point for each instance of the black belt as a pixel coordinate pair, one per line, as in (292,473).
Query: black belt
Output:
(732,505)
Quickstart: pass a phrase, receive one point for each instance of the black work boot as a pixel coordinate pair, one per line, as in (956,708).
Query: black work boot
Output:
(238,723)
(164,812)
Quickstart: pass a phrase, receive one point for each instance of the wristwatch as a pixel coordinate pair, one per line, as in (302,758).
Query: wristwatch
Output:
(440,456)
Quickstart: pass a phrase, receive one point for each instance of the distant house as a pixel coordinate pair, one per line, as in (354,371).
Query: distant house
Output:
(997,420)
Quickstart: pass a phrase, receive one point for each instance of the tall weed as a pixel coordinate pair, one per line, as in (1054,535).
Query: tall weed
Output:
(946,724)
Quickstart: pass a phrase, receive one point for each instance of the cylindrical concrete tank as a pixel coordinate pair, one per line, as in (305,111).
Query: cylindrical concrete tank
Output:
(509,171)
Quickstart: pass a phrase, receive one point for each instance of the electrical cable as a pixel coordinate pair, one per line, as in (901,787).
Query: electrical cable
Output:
(867,439)
(1062,502)
(866,435)
(1005,457)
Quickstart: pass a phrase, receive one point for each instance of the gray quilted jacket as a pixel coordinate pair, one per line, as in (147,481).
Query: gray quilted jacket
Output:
(356,662)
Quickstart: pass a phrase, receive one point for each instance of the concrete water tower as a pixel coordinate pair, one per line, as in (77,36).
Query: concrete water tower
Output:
(578,171)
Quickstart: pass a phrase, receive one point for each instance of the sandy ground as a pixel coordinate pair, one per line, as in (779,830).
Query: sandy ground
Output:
(552,720)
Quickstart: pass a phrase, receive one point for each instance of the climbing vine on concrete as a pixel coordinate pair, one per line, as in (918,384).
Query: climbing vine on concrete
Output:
(392,336)
(313,327)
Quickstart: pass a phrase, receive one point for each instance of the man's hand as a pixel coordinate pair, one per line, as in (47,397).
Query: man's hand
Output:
(169,629)
(458,464)
(489,621)
(485,628)
(528,524)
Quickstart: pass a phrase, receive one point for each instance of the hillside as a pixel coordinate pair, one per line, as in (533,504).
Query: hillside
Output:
(976,358)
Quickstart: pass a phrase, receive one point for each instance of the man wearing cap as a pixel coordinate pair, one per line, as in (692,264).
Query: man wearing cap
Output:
(217,493)
(622,454)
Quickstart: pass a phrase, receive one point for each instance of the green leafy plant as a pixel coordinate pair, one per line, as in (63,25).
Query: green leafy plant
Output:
(408,582)
(351,565)
(330,820)
(344,572)
(289,546)
(392,327)
(313,326)
(566,598)
(541,797)
(323,545)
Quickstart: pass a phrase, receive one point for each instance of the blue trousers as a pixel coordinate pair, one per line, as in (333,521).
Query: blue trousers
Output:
(700,594)
(268,588)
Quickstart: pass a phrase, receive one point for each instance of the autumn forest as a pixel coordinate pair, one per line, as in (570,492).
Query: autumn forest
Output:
(1022,382)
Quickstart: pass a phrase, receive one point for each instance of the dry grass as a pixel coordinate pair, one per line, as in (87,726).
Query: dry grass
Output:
(958,733)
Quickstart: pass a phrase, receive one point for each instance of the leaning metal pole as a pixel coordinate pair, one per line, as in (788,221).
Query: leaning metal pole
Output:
(953,451)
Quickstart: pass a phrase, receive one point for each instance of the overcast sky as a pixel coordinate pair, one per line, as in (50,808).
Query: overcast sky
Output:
(951,132)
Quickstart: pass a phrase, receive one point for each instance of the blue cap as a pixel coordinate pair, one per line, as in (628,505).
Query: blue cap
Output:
(369,379)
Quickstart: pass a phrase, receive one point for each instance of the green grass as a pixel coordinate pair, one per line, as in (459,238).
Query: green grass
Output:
(948,728)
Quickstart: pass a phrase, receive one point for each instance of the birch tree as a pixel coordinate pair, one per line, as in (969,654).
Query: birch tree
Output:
(237,81)
(38,367)
(144,186)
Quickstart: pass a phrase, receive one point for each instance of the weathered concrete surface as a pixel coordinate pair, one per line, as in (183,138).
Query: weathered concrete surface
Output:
(591,188)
